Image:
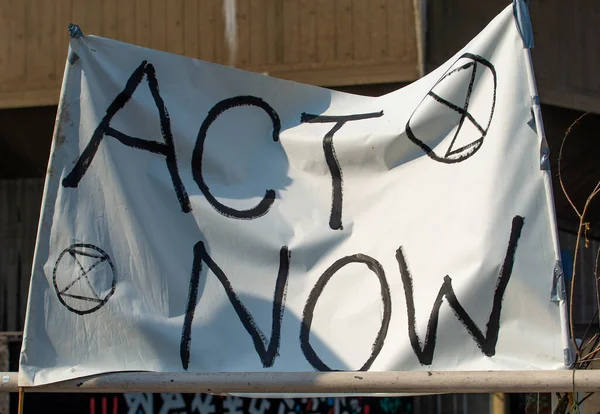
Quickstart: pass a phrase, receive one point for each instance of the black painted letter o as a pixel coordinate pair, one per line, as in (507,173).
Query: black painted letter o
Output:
(307,316)
(265,204)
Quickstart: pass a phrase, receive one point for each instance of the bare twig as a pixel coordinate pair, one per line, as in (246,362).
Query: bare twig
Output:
(592,359)
(596,285)
(583,227)
(584,346)
(567,133)
(590,354)
(585,398)
(584,363)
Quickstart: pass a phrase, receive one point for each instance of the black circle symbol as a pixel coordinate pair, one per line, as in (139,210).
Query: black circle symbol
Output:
(451,122)
(84,278)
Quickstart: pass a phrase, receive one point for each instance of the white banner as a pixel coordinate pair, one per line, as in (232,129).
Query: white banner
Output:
(202,218)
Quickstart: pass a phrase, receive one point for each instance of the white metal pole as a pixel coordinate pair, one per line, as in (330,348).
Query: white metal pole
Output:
(336,383)
(539,125)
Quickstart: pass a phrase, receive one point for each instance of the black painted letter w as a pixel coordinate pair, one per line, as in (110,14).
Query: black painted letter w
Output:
(166,149)
(486,343)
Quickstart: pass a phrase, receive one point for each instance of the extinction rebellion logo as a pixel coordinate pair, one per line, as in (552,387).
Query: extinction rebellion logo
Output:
(452,121)
(83,278)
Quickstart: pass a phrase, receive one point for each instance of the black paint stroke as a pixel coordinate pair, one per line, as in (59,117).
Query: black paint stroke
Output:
(486,343)
(466,151)
(197,156)
(335,218)
(309,308)
(83,274)
(167,148)
(267,350)
(84,298)
(101,257)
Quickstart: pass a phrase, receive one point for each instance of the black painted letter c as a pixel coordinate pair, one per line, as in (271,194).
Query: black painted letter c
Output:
(265,204)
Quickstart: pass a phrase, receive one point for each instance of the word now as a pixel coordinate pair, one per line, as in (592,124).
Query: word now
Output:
(267,350)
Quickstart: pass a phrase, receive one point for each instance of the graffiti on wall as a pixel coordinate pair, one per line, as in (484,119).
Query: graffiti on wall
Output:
(176,403)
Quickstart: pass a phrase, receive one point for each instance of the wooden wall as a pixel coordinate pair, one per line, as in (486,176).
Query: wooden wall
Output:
(566,55)
(566,36)
(323,42)
(20,202)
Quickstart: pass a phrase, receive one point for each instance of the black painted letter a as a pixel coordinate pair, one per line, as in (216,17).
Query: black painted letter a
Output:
(167,148)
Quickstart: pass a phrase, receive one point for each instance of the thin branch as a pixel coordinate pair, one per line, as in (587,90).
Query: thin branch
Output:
(585,226)
(587,329)
(590,354)
(596,284)
(562,144)
(585,398)
(581,225)
(583,363)
(592,360)
(572,293)
(583,347)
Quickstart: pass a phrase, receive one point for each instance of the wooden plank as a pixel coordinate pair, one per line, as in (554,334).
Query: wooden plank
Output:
(174,27)
(308,31)
(418,44)
(61,39)
(47,55)
(258,33)
(109,17)
(93,23)
(274,32)
(271,33)
(207,30)
(395,21)
(27,98)
(452,24)
(582,47)
(221,50)
(370,382)
(32,45)
(564,45)
(158,29)
(191,28)
(126,21)
(334,75)
(325,21)
(360,30)
(551,94)
(413,50)
(41,54)
(143,35)
(5,17)
(590,36)
(378,27)
(344,35)
(16,56)
(241,57)
(291,34)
